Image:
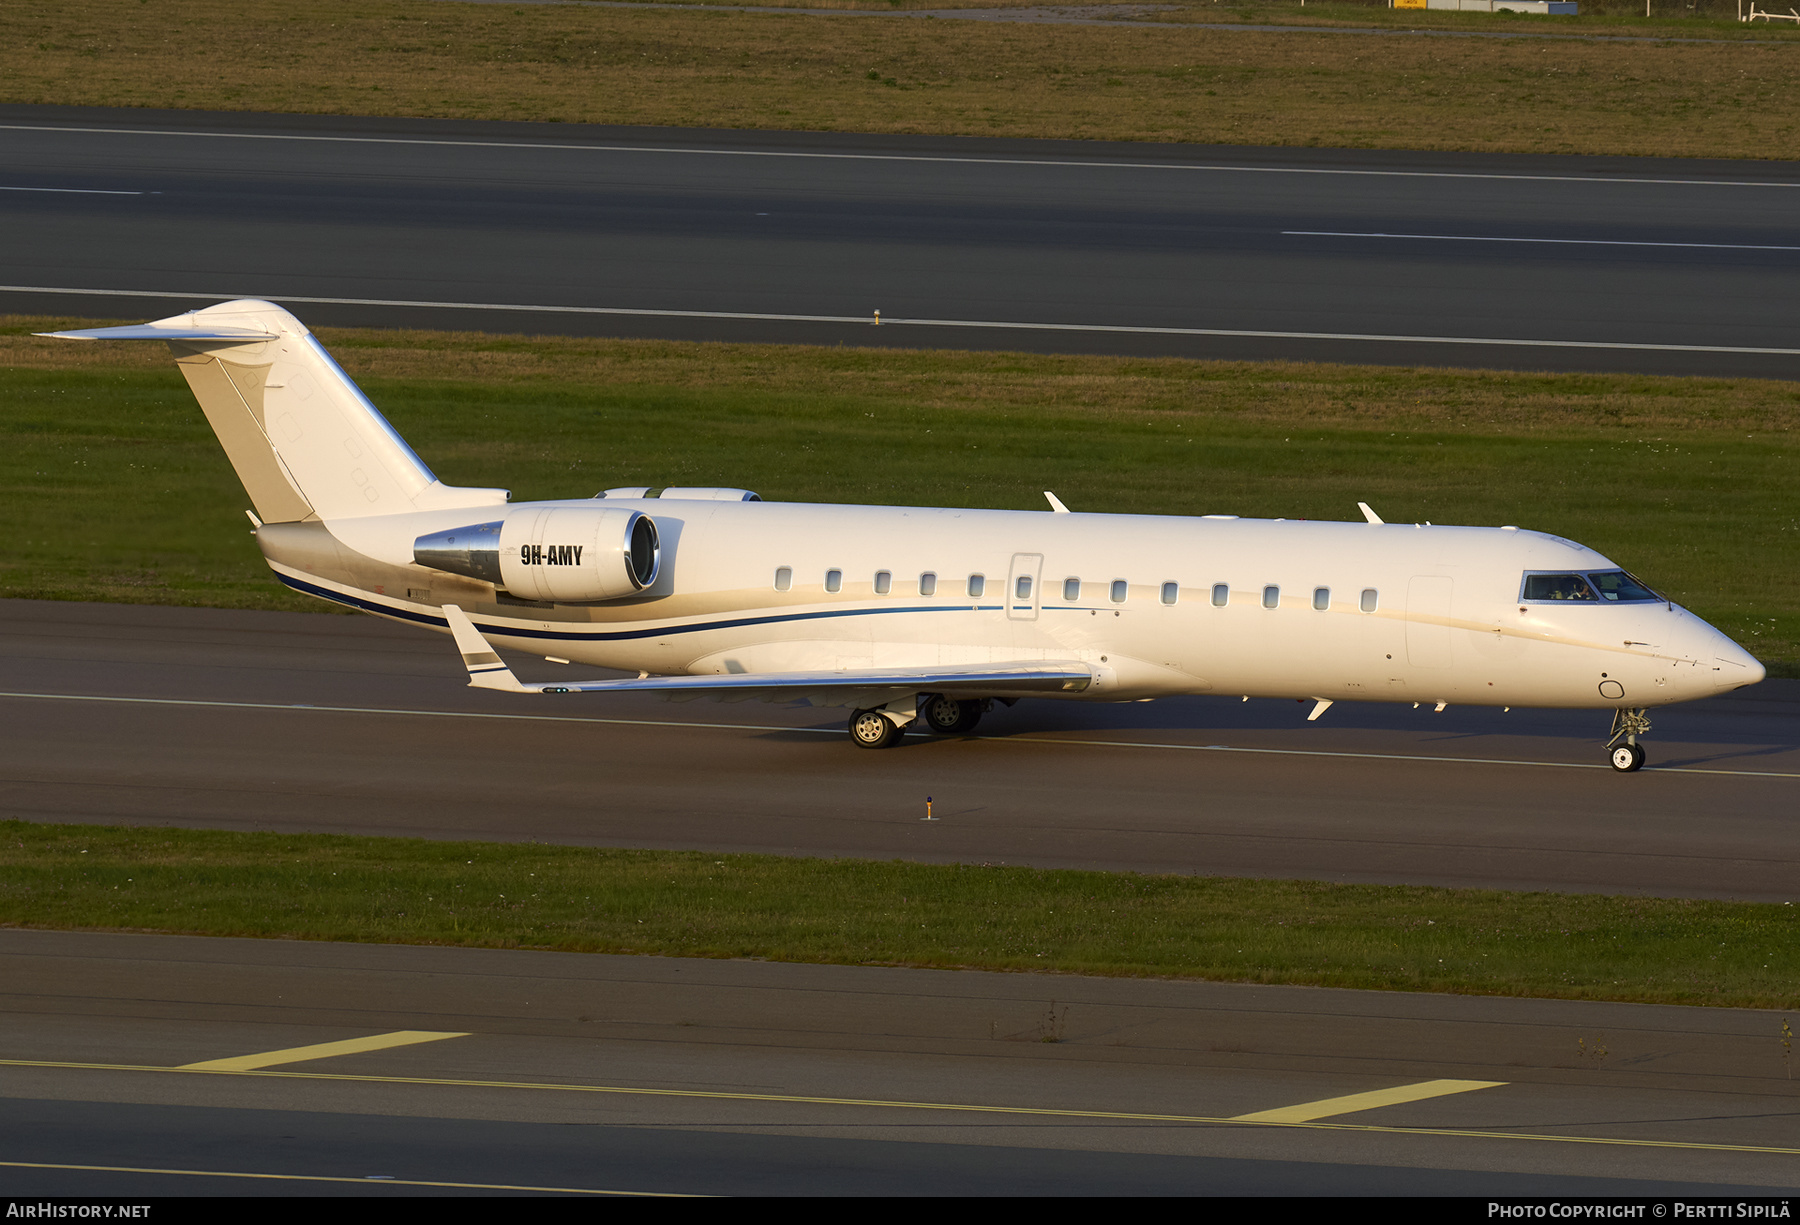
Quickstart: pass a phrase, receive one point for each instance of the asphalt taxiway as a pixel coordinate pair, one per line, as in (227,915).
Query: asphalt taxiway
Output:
(242,720)
(1518,262)
(139,1065)
(135,1064)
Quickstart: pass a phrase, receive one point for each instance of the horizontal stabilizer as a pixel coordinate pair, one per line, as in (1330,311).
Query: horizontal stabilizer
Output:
(159,331)
(488,671)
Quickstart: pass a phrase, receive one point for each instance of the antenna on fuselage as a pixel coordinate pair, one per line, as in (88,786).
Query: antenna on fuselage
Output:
(1368,514)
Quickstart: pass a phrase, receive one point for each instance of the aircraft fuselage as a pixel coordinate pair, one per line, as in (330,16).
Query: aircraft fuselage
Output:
(1345,611)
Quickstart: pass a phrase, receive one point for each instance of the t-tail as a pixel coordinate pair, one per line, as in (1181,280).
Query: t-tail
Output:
(305,441)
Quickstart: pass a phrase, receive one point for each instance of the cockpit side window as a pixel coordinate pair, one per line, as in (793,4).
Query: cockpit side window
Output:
(1558,588)
(1616,586)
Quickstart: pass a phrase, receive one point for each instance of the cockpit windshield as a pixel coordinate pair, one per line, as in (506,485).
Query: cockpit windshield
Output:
(1600,587)
(1558,587)
(1620,587)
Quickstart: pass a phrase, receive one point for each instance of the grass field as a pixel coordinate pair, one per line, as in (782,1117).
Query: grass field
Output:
(693,904)
(1184,79)
(112,488)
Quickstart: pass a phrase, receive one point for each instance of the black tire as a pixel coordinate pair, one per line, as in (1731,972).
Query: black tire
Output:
(870,729)
(1628,757)
(949,717)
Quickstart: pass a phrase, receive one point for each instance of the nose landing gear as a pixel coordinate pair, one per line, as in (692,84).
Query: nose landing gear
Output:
(1625,752)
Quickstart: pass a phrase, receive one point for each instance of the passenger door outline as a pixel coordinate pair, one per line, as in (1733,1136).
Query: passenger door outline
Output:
(1024,565)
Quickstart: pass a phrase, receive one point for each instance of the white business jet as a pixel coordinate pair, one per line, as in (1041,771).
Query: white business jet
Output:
(915,616)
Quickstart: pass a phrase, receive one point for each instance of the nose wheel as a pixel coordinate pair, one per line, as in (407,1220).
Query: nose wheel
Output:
(1623,750)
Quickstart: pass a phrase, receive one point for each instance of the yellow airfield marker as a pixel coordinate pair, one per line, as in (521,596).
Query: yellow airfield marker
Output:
(1326,1108)
(322,1050)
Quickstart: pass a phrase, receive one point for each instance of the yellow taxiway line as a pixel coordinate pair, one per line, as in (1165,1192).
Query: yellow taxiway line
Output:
(948,1107)
(361,1182)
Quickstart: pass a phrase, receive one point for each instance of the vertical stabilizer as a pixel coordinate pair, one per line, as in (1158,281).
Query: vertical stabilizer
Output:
(303,438)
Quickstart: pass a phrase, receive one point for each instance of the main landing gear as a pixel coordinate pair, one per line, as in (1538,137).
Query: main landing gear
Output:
(949,716)
(870,729)
(878,729)
(1625,752)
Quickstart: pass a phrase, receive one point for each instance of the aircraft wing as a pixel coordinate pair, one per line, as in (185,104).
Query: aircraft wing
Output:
(488,671)
(161,331)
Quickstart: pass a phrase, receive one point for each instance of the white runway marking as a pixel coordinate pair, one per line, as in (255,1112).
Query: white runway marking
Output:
(868,321)
(1567,242)
(838,731)
(1205,167)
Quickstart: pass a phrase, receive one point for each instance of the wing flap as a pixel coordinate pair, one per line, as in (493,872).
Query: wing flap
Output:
(488,671)
(1047,677)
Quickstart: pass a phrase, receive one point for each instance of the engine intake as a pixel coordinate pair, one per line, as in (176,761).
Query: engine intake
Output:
(558,554)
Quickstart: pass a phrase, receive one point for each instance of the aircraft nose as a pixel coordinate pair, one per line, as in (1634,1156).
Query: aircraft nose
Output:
(1734,667)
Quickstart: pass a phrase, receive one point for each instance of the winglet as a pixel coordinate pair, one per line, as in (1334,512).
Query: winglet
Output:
(1056,503)
(486,669)
(1368,514)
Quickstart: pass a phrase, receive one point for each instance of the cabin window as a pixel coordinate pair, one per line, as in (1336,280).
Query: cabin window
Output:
(928,583)
(1558,587)
(834,580)
(1371,599)
(1221,594)
(1120,589)
(884,582)
(1071,589)
(1022,588)
(1271,597)
(1170,592)
(784,578)
(977,585)
(1321,599)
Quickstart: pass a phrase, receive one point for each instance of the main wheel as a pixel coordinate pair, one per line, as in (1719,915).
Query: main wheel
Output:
(1628,757)
(871,729)
(949,717)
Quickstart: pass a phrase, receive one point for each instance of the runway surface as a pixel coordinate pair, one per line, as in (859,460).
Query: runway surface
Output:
(139,1065)
(1125,15)
(240,720)
(1365,256)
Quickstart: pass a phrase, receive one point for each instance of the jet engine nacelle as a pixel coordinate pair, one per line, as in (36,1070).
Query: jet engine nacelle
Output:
(552,553)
